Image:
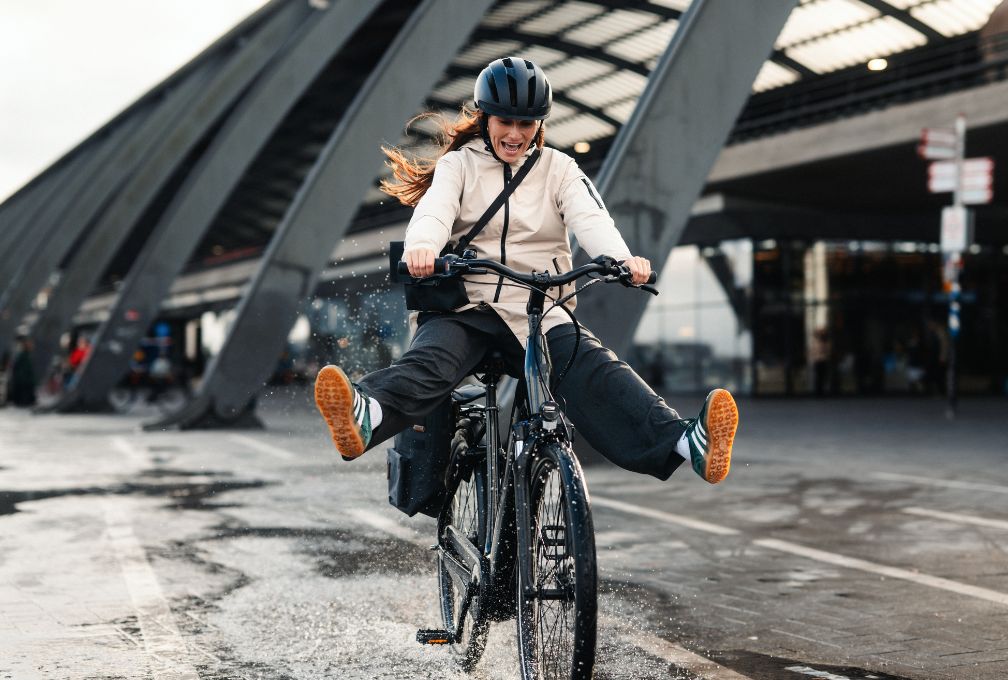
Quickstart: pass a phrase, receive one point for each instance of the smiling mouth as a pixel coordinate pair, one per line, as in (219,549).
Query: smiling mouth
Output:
(511,148)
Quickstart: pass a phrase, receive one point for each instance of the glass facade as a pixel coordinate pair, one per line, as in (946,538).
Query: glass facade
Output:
(828,317)
(695,335)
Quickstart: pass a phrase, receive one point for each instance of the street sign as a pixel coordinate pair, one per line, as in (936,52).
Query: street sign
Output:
(976,182)
(982,165)
(977,196)
(977,178)
(931,152)
(942,176)
(944,136)
(956,229)
(937,143)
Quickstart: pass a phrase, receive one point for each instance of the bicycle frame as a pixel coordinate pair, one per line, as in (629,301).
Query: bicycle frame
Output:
(489,568)
(507,541)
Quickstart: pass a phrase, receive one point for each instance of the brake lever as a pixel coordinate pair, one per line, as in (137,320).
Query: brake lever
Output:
(625,278)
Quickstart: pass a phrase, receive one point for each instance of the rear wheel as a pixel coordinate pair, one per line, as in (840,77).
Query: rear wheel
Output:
(557,608)
(466,512)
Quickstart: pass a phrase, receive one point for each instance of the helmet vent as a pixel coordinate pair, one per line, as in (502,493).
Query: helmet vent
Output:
(531,89)
(529,65)
(493,88)
(507,62)
(513,88)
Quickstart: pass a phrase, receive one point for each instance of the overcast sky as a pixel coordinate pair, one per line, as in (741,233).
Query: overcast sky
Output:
(68,66)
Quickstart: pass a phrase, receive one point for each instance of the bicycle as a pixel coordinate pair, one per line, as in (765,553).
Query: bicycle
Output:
(515,533)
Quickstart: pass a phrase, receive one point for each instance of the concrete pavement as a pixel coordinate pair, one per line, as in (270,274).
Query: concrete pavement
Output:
(853,539)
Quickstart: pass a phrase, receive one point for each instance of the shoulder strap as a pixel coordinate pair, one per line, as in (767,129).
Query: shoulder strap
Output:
(498,202)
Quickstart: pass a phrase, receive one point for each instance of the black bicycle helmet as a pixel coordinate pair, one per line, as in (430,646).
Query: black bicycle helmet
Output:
(513,88)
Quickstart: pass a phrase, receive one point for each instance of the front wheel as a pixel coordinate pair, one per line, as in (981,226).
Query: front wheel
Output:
(557,607)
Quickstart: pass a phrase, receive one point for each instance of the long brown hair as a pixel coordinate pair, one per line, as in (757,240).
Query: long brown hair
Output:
(413,175)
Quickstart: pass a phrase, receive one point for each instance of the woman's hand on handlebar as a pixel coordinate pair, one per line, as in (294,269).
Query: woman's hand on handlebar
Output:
(420,262)
(640,268)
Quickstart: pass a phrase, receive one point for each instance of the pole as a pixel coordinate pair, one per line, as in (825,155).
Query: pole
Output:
(953,265)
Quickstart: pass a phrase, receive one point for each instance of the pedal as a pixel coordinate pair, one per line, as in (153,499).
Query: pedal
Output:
(430,636)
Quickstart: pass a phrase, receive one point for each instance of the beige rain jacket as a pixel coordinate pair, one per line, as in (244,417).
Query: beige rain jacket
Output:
(529,233)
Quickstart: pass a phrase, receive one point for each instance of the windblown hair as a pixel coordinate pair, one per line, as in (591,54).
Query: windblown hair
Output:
(413,175)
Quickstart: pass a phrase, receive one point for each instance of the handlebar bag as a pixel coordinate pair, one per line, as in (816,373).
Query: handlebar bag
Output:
(438,293)
(418,461)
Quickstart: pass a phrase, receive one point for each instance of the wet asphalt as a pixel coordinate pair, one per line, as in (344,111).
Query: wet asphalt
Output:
(853,539)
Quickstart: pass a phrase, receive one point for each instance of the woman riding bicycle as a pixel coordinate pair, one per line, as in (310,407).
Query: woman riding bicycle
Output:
(485,148)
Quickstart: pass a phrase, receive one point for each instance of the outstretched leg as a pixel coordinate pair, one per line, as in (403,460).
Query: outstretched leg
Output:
(628,423)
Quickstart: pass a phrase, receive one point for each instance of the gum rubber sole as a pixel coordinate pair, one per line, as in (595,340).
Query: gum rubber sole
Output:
(334,397)
(722,421)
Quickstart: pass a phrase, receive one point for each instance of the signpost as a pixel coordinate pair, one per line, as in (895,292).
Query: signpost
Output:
(970,180)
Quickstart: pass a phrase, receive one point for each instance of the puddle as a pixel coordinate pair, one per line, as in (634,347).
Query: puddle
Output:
(338,553)
(182,495)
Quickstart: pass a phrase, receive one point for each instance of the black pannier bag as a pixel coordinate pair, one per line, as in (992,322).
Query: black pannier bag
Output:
(418,461)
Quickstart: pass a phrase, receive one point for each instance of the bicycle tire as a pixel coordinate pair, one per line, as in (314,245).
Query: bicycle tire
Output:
(466,510)
(556,637)
(122,399)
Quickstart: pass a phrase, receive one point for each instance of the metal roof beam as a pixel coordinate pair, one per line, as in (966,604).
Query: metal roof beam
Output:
(18,222)
(322,211)
(58,228)
(781,57)
(660,159)
(905,17)
(186,221)
(174,142)
(558,43)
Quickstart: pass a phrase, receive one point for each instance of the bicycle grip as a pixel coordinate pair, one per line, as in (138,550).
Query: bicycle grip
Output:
(440,266)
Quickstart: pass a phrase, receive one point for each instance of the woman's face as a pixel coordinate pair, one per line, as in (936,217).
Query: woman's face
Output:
(510,138)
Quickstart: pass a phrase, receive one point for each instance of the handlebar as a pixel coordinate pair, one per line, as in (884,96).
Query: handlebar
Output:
(606,266)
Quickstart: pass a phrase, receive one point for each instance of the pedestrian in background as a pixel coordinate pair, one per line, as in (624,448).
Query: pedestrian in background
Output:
(819,352)
(22,380)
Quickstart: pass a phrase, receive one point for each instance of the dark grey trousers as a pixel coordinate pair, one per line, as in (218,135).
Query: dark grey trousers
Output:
(610,405)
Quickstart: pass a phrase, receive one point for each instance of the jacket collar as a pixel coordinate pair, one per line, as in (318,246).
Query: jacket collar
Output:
(479,146)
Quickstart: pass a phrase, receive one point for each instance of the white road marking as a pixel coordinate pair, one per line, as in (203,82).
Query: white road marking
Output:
(263,447)
(135,455)
(688,522)
(949,483)
(957,518)
(389,526)
(671,652)
(891,572)
(807,639)
(814,554)
(822,675)
(161,637)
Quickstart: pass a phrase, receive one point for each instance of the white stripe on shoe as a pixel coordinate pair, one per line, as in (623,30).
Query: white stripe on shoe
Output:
(696,440)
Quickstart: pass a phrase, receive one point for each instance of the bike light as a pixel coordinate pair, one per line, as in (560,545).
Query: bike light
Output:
(550,414)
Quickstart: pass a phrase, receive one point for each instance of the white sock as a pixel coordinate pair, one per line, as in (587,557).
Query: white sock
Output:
(682,447)
(374,408)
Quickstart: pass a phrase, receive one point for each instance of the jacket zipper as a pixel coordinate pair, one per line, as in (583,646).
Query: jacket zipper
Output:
(591,193)
(556,266)
(503,248)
